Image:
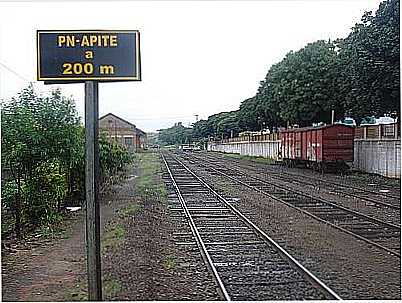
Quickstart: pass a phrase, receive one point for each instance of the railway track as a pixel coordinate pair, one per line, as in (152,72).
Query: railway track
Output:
(245,262)
(381,234)
(378,198)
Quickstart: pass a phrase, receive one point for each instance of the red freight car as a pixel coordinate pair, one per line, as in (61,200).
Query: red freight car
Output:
(321,148)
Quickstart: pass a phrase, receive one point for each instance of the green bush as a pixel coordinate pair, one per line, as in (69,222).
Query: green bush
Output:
(43,152)
(48,189)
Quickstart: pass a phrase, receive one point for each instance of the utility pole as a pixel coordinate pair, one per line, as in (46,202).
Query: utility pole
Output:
(196,118)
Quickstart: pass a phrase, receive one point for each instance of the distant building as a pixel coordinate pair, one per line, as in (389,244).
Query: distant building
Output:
(122,132)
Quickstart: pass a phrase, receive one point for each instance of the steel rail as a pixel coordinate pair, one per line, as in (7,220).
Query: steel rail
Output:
(329,203)
(200,242)
(317,199)
(328,182)
(297,265)
(314,216)
(336,184)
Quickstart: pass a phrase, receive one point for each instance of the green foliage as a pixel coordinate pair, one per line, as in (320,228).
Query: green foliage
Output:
(113,236)
(224,124)
(111,287)
(147,185)
(8,190)
(175,135)
(219,125)
(43,158)
(113,157)
(357,76)
(45,191)
(170,262)
(248,114)
(369,67)
(201,129)
(302,84)
(38,150)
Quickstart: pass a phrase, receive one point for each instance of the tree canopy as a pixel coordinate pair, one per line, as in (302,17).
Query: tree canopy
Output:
(368,63)
(355,76)
(175,135)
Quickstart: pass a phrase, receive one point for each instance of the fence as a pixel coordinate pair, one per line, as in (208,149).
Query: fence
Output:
(252,138)
(382,131)
(377,148)
(267,149)
(378,156)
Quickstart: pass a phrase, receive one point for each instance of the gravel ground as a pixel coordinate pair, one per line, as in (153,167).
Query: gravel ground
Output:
(51,268)
(354,269)
(370,182)
(140,260)
(377,211)
(147,264)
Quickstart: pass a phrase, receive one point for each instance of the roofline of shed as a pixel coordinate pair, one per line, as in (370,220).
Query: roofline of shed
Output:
(117,118)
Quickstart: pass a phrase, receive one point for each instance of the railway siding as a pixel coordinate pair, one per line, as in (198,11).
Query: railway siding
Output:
(376,203)
(353,268)
(247,264)
(374,231)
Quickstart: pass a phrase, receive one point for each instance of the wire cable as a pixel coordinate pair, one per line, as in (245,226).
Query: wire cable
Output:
(14,72)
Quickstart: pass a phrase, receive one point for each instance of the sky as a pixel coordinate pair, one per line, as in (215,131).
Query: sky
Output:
(197,57)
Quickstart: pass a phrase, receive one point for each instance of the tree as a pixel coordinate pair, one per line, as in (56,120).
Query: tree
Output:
(223,124)
(177,134)
(248,114)
(18,132)
(369,67)
(302,85)
(38,149)
(228,124)
(201,130)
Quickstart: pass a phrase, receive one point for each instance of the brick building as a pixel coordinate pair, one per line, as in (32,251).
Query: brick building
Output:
(122,132)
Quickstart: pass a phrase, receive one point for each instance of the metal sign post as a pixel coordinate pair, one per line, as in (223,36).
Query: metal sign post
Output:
(89,56)
(92,191)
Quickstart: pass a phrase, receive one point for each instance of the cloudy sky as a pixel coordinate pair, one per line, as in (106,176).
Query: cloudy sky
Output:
(197,57)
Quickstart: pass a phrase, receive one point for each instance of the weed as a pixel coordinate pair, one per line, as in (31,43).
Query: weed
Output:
(113,236)
(148,185)
(170,262)
(79,293)
(111,288)
(257,159)
(130,209)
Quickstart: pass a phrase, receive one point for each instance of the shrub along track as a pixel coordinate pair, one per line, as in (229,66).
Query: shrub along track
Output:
(139,258)
(145,263)
(53,268)
(357,270)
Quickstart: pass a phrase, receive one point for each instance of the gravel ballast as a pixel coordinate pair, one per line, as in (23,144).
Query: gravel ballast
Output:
(354,269)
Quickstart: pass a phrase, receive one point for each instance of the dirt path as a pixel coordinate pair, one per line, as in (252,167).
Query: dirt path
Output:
(52,269)
(140,257)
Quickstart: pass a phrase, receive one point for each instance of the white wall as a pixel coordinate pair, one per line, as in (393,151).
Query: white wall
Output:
(381,157)
(267,149)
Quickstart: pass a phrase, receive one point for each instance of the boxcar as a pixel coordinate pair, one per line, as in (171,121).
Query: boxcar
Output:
(322,148)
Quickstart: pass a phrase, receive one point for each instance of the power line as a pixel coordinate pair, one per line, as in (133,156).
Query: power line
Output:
(14,72)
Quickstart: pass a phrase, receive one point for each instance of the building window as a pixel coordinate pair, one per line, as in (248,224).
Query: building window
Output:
(128,141)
